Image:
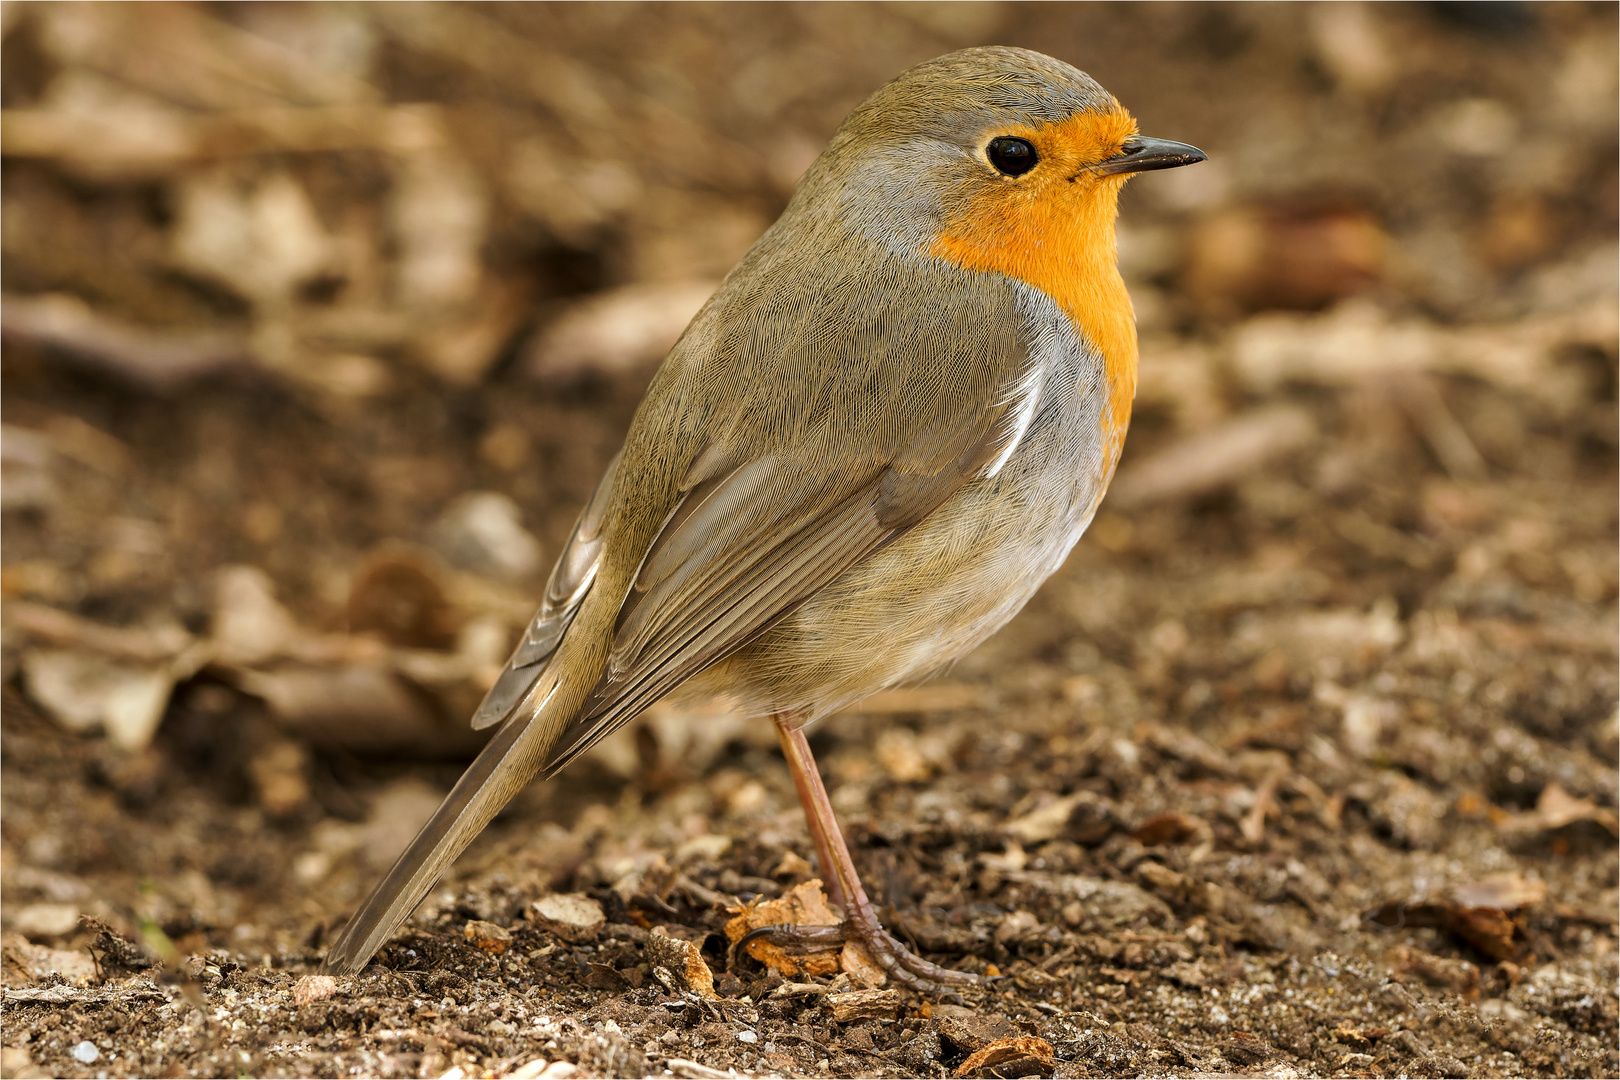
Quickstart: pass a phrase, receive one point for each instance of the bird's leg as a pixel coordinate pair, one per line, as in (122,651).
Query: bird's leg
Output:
(818,811)
(842,883)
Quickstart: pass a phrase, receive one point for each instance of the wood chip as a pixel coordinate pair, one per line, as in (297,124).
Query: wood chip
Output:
(972,1032)
(1023,1056)
(1084,817)
(864,1005)
(487,936)
(1253,825)
(159,359)
(680,962)
(858,963)
(1556,808)
(1170,828)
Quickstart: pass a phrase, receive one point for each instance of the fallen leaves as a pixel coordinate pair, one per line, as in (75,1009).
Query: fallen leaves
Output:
(617,332)
(803,905)
(27,962)
(679,963)
(1557,808)
(1215,457)
(1025,1055)
(428,633)
(487,936)
(1486,914)
(1083,816)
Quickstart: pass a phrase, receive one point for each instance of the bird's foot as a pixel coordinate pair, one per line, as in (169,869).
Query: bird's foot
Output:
(897,961)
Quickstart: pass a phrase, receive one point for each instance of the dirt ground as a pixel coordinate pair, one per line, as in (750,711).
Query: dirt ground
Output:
(321,320)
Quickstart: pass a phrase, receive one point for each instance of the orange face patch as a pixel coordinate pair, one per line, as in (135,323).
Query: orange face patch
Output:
(1053,227)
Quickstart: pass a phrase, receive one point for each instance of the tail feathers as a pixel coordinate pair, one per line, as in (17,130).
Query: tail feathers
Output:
(507,763)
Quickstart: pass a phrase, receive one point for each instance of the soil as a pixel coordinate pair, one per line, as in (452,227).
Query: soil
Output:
(1303,765)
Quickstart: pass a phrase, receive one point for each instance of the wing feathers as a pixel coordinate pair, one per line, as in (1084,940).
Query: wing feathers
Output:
(731,611)
(571,579)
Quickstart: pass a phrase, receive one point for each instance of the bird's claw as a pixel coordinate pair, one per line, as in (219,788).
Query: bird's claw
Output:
(898,962)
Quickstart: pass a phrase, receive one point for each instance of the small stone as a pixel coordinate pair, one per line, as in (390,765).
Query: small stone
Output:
(793,865)
(709,846)
(85,1053)
(571,916)
(747,1036)
(46,920)
(483,532)
(1016,926)
(313,988)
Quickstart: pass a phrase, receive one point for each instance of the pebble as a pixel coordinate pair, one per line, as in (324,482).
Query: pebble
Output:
(85,1053)
(483,531)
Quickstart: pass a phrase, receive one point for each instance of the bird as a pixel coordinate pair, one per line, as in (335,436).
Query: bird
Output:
(886,428)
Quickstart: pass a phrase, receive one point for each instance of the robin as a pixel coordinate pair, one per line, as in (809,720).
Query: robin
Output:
(886,428)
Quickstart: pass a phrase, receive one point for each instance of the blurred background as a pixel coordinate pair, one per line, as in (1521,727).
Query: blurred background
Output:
(320,321)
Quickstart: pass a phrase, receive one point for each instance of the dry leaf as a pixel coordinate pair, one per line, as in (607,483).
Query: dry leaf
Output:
(1507,891)
(487,937)
(1022,1056)
(803,905)
(682,961)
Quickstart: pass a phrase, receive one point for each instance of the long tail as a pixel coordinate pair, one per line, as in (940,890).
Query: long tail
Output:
(508,762)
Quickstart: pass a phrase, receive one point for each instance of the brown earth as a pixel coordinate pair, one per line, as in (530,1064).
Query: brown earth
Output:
(1304,765)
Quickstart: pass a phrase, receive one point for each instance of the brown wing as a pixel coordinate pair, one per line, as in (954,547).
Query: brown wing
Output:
(740,553)
(571,579)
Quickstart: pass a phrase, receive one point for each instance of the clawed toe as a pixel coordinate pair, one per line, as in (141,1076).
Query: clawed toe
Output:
(898,962)
(798,938)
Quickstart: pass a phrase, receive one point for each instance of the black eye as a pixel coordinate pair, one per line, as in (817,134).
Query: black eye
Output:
(1014,157)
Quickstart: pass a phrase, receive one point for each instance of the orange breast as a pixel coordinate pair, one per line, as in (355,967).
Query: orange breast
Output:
(1057,234)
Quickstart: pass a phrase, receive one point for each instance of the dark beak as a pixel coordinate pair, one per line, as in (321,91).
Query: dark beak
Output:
(1141,153)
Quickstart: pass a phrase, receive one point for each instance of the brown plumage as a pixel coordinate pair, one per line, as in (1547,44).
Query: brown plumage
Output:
(879,436)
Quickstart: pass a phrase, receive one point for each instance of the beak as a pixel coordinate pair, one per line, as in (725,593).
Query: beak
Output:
(1141,154)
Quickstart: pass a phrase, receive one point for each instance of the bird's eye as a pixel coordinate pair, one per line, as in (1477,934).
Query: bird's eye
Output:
(1012,157)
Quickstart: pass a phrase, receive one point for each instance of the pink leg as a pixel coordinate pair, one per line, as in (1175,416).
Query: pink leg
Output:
(843,884)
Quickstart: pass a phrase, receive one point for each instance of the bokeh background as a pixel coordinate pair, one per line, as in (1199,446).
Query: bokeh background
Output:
(320,321)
